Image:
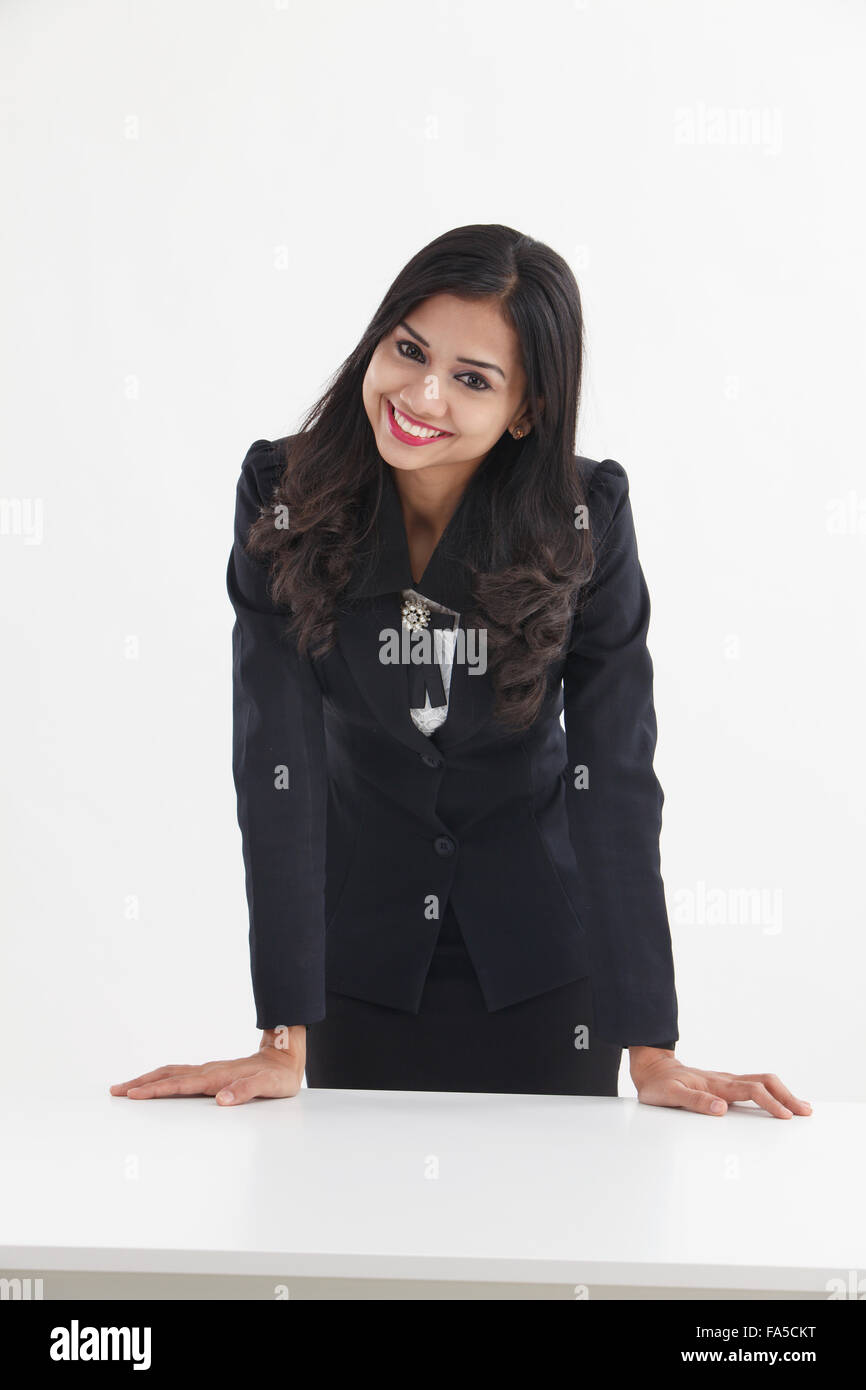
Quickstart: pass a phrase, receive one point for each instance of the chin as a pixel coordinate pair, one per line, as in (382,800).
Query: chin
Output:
(405,465)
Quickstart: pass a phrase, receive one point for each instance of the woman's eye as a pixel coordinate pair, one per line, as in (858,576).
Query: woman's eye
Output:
(485,385)
(405,343)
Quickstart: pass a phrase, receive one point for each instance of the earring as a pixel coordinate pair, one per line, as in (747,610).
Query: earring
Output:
(518,433)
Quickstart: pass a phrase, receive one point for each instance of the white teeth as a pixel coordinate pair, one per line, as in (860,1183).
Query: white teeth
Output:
(413,429)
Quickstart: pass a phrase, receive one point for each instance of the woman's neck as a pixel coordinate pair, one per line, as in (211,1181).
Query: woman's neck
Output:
(429,497)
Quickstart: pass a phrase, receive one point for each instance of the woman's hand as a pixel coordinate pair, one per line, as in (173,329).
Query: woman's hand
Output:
(277,1069)
(662,1079)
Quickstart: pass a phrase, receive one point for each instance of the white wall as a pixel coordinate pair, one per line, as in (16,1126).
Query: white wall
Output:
(207,202)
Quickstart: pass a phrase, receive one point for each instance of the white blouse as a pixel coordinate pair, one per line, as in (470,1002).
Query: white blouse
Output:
(429,718)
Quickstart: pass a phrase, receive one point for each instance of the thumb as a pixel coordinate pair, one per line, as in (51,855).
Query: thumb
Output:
(264,1082)
(674,1093)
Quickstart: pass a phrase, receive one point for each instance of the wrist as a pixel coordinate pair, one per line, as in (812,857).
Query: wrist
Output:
(641,1055)
(282,1037)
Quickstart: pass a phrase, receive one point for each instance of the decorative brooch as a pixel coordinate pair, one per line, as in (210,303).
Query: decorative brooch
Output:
(416,614)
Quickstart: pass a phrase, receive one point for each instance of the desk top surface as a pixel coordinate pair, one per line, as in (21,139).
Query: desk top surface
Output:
(402,1184)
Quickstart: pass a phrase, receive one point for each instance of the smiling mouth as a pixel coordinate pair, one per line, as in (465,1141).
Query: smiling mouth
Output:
(412,431)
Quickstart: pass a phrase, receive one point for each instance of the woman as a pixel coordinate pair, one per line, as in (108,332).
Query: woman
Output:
(424,578)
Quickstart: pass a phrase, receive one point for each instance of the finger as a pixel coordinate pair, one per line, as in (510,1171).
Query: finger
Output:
(780,1091)
(193,1083)
(682,1097)
(121,1087)
(267,1082)
(742,1089)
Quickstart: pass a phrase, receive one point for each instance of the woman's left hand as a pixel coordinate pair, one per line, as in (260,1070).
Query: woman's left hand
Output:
(662,1079)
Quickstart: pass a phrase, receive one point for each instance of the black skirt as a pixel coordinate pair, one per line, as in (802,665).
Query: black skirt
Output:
(540,1046)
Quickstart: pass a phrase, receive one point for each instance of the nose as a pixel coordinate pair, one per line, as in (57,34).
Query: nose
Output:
(430,410)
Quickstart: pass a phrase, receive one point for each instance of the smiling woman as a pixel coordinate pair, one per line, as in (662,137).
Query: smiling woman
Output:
(469,375)
(455,892)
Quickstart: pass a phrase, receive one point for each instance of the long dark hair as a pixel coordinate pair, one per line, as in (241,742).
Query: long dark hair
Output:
(528,560)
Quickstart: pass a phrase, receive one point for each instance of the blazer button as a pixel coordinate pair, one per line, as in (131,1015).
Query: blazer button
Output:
(431,760)
(443,845)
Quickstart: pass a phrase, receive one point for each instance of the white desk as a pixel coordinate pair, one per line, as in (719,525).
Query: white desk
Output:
(364,1194)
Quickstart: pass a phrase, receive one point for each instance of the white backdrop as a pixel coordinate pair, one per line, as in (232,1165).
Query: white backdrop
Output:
(206,204)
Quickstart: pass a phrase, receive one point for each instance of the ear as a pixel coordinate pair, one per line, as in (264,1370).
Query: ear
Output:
(527,416)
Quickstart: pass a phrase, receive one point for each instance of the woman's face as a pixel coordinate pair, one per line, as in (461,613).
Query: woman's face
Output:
(454,366)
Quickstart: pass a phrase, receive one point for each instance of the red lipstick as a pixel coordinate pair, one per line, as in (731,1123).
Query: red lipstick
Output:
(405,438)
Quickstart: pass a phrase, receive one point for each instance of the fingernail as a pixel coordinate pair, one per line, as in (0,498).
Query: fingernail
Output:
(225,1095)
(717,1107)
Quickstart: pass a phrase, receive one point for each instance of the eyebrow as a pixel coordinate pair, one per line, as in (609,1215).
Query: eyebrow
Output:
(470,361)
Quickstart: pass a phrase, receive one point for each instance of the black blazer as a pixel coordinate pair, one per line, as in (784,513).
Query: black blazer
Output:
(357,828)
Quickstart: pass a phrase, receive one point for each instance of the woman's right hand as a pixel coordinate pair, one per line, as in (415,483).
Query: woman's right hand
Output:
(277,1069)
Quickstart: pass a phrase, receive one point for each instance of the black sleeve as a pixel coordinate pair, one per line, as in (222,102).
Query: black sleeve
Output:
(615,818)
(280,775)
